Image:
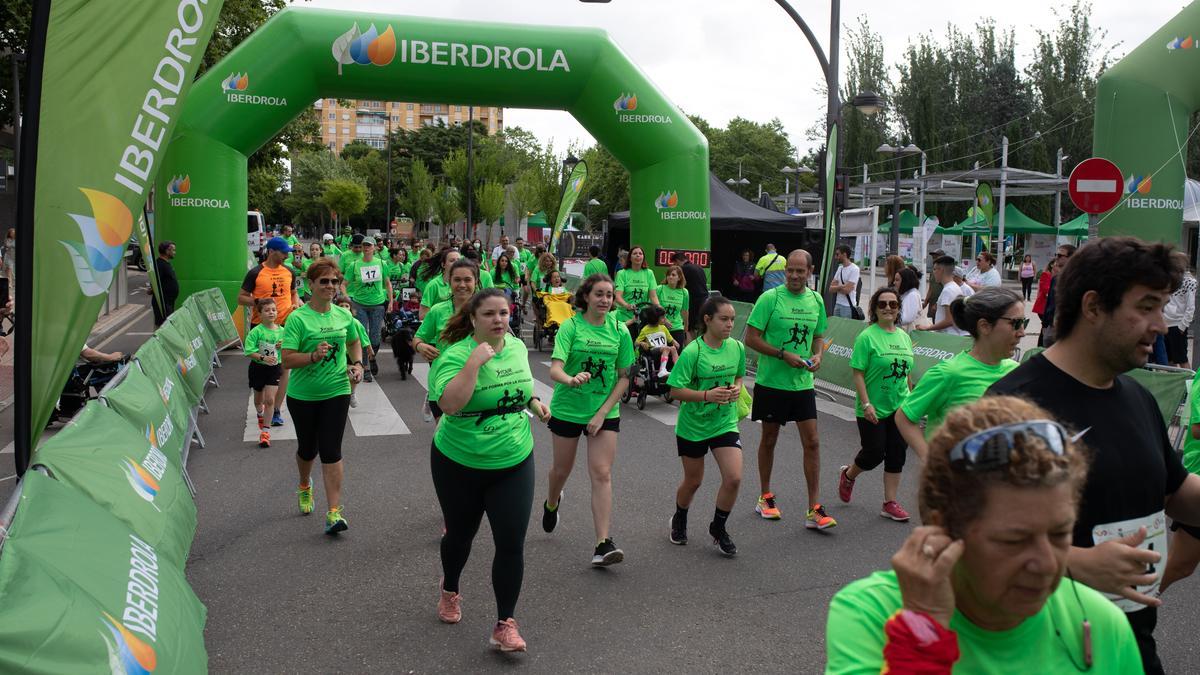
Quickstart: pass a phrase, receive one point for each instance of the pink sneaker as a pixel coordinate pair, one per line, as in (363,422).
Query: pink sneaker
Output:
(449,606)
(506,638)
(894,511)
(845,485)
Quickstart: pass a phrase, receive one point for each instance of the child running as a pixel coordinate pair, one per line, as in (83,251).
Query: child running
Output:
(654,336)
(344,302)
(707,381)
(262,346)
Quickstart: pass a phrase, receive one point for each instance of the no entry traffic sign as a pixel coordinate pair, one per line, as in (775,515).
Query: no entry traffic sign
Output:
(1095,185)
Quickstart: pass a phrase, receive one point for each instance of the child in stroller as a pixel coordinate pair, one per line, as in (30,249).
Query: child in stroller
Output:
(551,307)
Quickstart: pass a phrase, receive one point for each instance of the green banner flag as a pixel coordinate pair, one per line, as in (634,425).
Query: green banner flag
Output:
(85,594)
(145,240)
(203,341)
(932,347)
(985,206)
(219,318)
(110,81)
(159,412)
(103,456)
(571,192)
(163,370)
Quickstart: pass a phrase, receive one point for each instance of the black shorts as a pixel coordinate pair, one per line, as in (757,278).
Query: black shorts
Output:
(261,375)
(574,430)
(697,449)
(779,406)
(1190,529)
(1176,341)
(320,426)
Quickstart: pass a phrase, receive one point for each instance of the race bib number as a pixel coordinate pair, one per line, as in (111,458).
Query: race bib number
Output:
(267,350)
(370,274)
(1156,540)
(657,340)
(406,293)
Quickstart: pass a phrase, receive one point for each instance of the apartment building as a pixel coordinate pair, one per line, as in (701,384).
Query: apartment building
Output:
(368,121)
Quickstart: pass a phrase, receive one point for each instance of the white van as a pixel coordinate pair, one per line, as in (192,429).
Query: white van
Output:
(256,231)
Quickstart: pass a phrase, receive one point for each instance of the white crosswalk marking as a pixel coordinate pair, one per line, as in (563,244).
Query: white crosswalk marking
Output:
(375,415)
(660,410)
(420,373)
(287,432)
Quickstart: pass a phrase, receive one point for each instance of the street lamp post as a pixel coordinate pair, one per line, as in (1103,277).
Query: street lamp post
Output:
(897,152)
(591,202)
(796,172)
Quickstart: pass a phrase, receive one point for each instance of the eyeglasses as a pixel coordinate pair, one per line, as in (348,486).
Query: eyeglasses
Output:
(887,304)
(1017,324)
(990,449)
(328,281)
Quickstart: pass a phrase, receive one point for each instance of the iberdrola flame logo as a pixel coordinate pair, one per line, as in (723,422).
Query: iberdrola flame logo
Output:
(180,185)
(151,434)
(236,82)
(1138,184)
(127,653)
(142,482)
(371,47)
(104,234)
(666,200)
(1181,43)
(625,103)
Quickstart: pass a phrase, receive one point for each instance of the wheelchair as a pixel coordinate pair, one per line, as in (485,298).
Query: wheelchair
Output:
(644,381)
(549,311)
(83,385)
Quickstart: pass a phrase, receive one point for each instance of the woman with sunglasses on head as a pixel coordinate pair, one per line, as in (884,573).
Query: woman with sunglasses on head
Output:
(979,588)
(317,339)
(482,454)
(882,367)
(995,317)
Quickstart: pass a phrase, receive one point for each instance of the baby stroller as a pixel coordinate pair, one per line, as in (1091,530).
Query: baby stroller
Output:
(644,379)
(550,310)
(400,318)
(515,318)
(84,384)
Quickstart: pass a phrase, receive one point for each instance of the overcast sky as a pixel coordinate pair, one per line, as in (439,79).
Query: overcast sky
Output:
(720,59)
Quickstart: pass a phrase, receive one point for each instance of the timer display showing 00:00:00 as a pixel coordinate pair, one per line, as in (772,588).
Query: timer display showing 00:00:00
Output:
(662,256)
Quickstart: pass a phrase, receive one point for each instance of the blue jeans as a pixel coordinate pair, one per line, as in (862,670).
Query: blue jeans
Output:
(842,311)
(371,316)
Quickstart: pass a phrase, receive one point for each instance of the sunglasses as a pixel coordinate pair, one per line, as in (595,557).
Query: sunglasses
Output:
(1061,255)
(887,304)
(328,281)
(1017,324)
(990,449)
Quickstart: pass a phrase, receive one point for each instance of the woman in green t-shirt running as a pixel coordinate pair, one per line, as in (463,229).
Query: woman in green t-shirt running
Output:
(428,341)
(436,275)
(482,454)
(980,587)
(675,299)
(995,317)
(635,288)
(590,369)
(707,380)
(882,366)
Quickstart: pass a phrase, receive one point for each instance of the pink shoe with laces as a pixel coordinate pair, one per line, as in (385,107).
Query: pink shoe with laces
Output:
(894,511)
(449,606)
(506,638)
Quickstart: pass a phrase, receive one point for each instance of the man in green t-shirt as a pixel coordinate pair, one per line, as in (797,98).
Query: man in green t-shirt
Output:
(786,327)
(368,287)
(595,265)
(343,239)
(290,236)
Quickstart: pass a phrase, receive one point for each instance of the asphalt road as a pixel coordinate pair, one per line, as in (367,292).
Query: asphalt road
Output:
(283,597)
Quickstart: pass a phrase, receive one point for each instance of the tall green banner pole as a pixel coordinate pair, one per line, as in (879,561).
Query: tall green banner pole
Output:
(571,191)
(111,79)
(985,206)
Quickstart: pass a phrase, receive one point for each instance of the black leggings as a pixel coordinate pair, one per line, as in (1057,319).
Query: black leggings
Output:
(881,443)
(319,427)
(1027,287)
(506,496)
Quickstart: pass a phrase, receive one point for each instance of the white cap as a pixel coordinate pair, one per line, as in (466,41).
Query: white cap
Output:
(327,237)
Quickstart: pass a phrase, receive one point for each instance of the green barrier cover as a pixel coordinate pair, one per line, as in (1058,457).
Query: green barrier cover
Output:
(218,315)
(212,322)
(1168,389)
(158,365)
(931,348)
(159,412)
(835,364)
(102,456)
(196,317)
(178,344)
(84,594)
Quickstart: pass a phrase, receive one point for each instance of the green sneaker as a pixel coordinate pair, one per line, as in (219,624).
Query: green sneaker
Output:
(306,499)
(334,522)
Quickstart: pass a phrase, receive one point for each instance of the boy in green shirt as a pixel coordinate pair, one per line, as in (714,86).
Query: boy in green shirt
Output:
(262,345)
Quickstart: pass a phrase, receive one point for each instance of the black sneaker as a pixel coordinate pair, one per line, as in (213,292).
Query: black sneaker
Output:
(678,531)
(722,541)
(607,554)
(374,367)
(550,518)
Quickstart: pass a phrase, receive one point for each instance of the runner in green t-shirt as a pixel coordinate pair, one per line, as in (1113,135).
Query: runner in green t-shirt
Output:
(343,240)
(995,318)
(882,365)
(635,287)
(290,237)
(298,264)
(594,265)
(359,330)
(707,380)
(674,297)
(369,288)
(437,286)
(329,249)
(428,340)
(506,276)
(262,346)
(590,369)
(351,254)
(1185,542)
(317,346)
(482,454)
(786,327)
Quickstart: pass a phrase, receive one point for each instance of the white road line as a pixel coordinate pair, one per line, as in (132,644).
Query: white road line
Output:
(8,449)
(287,432)
(660,410)
(375,415)
(836,409)
(420,373)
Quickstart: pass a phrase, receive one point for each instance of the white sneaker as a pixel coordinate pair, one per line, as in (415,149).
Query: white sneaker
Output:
(353,401)
(663,373)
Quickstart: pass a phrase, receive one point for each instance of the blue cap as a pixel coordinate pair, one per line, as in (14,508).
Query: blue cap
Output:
(279,244)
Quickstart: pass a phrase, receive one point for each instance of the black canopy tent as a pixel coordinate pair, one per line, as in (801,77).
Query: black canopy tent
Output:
(737,224)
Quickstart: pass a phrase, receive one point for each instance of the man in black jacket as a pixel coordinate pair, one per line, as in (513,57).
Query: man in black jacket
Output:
(697,287)
(168,283)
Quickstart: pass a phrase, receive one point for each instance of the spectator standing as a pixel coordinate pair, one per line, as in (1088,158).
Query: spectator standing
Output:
(935,286)
(697,287)
(845,282)
(1178,313)
(1061,257)
(984,273)
(771,268)
(743,276)
(168,283)
(910,299)
(1028,272)
(943,320)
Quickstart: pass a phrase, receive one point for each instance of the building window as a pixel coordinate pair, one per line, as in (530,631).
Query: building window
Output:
(332,116)
(395,118)
(345,115)
(346,130)
(410,106)
(409,121)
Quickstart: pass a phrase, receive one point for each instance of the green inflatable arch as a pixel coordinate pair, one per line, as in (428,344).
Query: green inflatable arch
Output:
(1144,105)
(301,55)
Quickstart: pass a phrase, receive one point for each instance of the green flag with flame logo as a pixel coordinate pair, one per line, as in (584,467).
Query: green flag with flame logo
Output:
(571,192)
(114,76)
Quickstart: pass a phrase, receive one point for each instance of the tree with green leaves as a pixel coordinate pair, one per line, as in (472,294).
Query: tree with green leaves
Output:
(309,171)
(445,207)
(418,198)
(607,182)
(490,205)
(344,197)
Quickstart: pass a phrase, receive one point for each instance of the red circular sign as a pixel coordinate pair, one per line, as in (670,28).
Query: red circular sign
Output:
(1096,185)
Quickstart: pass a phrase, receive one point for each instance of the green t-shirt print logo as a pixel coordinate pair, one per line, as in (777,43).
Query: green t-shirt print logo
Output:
(636,296)
(797,335)
(596,368)
(899,370)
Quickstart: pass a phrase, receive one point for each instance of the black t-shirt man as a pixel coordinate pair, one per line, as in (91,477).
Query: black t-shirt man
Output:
(1133,466)
(697,287)
(168,285)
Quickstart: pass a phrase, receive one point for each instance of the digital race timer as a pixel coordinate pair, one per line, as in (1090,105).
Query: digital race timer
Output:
(662,256)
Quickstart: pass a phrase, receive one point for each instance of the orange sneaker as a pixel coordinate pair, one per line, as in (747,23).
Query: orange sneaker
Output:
(506,638)
(264,438)
(766,507)
(449,606)
(817,519)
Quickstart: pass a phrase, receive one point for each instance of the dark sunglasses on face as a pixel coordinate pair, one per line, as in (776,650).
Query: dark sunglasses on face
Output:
(328,281)
(887,304)
(1017,324)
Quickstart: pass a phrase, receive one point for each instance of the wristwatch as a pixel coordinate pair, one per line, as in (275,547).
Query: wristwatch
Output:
(358,363)
(780,353)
